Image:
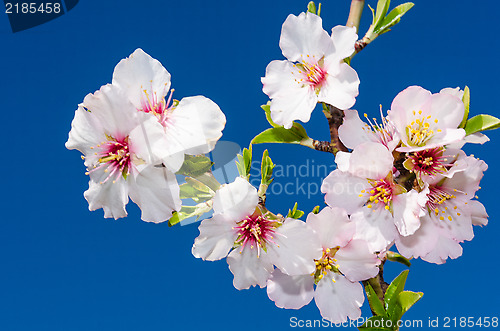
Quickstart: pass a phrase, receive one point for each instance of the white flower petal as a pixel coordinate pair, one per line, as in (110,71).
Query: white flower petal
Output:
(147,141)
(422,241)
(236,200)
(342,160)
(217,237)
(344,190)
(248,268)
(303,35)
(356,261)
(290,292)
(467,181)
(444,249)
(340,89)
(338,300)
(333,227)
(156,192)
(375,226)
(406,209)
(296,248)
(410,99)
(478,213)
(116,114)
(477,138)
(290,99)
(138,73)
(353,130)
(456,92)
(447,109)
(371,160)
(111,197)
(86,132)
(344,39)
(195,125)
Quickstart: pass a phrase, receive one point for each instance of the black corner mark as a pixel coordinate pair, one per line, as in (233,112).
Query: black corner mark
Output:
(26,14)
(70,4)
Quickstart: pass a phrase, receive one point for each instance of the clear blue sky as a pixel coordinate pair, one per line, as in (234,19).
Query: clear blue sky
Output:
(65,268)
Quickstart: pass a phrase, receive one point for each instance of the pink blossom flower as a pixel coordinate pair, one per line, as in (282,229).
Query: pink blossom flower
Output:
(364,185)
(424,120)
(450,213)
(121,147)
(191,126)
(354,131)
(343,263)
(313,72)
(253,240)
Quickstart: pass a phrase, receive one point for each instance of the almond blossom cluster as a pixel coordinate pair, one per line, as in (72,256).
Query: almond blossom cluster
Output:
(402,181)
(133,139)
(407,181)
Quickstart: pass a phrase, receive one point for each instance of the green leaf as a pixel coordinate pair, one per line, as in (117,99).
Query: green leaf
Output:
(244,162)
(376,323)
(196,190)
(209,180)
(466,101)
(266,168)
(295,213)
(294,135)
(311,7)
(396,287)
(395,257)
(189,211)
(376,305)
(408,298)
(405,301)
(393,18)
(195,165)
(382,8)
(480,123)
(267,109)
(315,210)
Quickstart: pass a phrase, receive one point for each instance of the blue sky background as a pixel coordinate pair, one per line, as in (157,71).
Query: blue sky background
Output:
(65,268)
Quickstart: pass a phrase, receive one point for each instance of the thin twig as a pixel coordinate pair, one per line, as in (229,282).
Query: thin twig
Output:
(355,13)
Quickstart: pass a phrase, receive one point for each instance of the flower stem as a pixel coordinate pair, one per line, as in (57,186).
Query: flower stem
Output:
(355,13)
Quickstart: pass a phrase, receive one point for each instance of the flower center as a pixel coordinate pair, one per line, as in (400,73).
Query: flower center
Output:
(419,131)
(326,263)
(159,108)
(428,162)
(311,73)
(314,73)
(381,193)
(255,231)
(439,203)
(115,156)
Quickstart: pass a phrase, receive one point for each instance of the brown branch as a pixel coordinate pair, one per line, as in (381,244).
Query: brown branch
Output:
(335,118)
(324,146)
